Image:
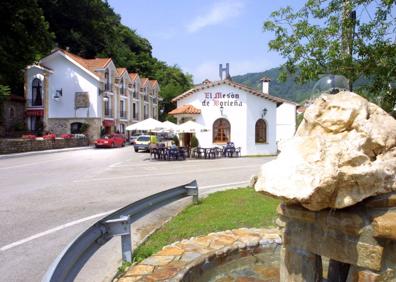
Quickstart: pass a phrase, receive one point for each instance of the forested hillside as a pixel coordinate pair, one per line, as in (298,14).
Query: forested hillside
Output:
(289,89)
(90,28)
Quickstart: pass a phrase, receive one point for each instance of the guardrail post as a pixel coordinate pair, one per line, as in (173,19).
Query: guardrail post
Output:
(121,227)
(192,190)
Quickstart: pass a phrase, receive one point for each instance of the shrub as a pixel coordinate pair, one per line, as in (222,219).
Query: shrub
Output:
(176,140)
(67,136)
(194,142)
(29,136)
(49,136)
(84,128)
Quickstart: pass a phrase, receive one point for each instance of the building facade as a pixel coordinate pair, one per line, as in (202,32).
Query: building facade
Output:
(233,112)
(65,93)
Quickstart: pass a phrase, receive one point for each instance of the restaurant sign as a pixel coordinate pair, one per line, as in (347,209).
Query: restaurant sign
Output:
(220,99)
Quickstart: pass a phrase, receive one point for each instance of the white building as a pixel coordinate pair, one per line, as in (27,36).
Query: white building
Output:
(64,91)
(233,112)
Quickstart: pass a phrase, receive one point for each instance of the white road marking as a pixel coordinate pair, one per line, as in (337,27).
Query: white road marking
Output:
(52,230)
(34,163)
(72,223)
(162,174)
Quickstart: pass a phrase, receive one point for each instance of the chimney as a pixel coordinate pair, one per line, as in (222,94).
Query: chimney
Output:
(226,70)
(265,84)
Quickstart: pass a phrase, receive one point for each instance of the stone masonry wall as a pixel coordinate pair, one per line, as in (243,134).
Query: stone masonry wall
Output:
(9,146)
(62,125)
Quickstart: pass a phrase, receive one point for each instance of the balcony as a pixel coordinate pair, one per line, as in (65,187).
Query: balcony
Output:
(35,103)
(108,112)
(123,114)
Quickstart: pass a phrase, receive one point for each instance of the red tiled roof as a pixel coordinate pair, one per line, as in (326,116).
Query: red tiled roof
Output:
(185,109)
(233,84)
(120,71)
(90,64)
(143,81)
(133,75)
(153,82)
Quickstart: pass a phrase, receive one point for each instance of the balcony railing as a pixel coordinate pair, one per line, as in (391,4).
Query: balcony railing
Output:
(123,114)
(108,113)
(35,103)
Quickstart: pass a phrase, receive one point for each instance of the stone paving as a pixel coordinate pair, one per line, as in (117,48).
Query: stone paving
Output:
(188,259)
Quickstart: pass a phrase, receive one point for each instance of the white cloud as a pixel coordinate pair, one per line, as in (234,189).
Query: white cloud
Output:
(210,69)
(219,12)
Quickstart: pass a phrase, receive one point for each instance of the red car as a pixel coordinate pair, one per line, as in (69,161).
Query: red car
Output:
(110,141)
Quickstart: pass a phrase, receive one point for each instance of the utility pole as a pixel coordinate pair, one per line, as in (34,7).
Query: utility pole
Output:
(347,36)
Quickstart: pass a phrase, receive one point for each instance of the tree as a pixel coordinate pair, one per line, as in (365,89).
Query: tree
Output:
(355,38)
(25,38)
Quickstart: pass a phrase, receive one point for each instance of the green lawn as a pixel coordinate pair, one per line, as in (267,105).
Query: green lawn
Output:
(220,211)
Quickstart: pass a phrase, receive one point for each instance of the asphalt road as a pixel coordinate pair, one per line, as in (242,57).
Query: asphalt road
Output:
(46,200)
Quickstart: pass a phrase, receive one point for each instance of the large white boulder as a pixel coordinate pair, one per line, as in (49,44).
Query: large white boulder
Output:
(343,152)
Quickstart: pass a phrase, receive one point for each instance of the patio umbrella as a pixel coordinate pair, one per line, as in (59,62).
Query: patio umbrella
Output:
(149,124)
(169,126)
(190,127)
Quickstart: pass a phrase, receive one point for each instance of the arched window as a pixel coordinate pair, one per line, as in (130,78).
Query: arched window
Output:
(221,131)
(37,99)
(75,127)
(261,131)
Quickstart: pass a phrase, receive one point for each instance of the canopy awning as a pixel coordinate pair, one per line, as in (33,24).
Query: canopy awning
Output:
(190,127)
(149,124)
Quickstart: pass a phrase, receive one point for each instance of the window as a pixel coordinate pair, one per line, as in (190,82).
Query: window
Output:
(261,131)
(122,89)
(134,112)
(107,79)
(122,128)
(37,99)
(75,127)
(221,131)
(122,109)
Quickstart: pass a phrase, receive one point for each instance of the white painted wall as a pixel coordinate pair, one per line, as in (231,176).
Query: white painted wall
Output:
(254,113)
(242,119)
(71,79)
(285,121)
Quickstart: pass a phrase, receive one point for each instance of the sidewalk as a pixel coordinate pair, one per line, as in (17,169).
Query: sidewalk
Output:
(44,152)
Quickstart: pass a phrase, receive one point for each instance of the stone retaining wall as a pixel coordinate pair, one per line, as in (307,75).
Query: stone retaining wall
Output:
(188,259)
(9,146)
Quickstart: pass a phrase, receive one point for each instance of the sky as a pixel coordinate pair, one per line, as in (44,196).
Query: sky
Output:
(198,35)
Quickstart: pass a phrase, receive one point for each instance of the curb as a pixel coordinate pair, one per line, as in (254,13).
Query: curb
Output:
(44,152)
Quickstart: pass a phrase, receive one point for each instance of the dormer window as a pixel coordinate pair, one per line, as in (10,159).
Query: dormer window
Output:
(122,87)
(107,80)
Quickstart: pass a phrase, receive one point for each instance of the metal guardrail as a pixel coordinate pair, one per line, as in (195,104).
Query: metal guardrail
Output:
(72,259)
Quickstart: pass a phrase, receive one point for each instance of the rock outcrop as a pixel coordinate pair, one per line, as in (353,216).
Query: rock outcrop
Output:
(343,152)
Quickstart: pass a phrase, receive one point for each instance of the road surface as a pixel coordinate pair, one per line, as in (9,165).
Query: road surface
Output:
(46,200)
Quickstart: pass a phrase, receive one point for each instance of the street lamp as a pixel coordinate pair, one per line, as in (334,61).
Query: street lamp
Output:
(58,95)
(264,112)
(105,98)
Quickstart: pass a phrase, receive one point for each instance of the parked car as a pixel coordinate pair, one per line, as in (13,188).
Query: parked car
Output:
(133,138)
(143,142)
(110,141)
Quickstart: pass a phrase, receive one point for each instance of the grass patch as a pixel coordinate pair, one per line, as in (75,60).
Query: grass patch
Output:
(242,207)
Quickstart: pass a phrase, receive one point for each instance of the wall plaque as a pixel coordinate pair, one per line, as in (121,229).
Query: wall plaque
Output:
(81,100)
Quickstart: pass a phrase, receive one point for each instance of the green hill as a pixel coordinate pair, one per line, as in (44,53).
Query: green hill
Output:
(289,89)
